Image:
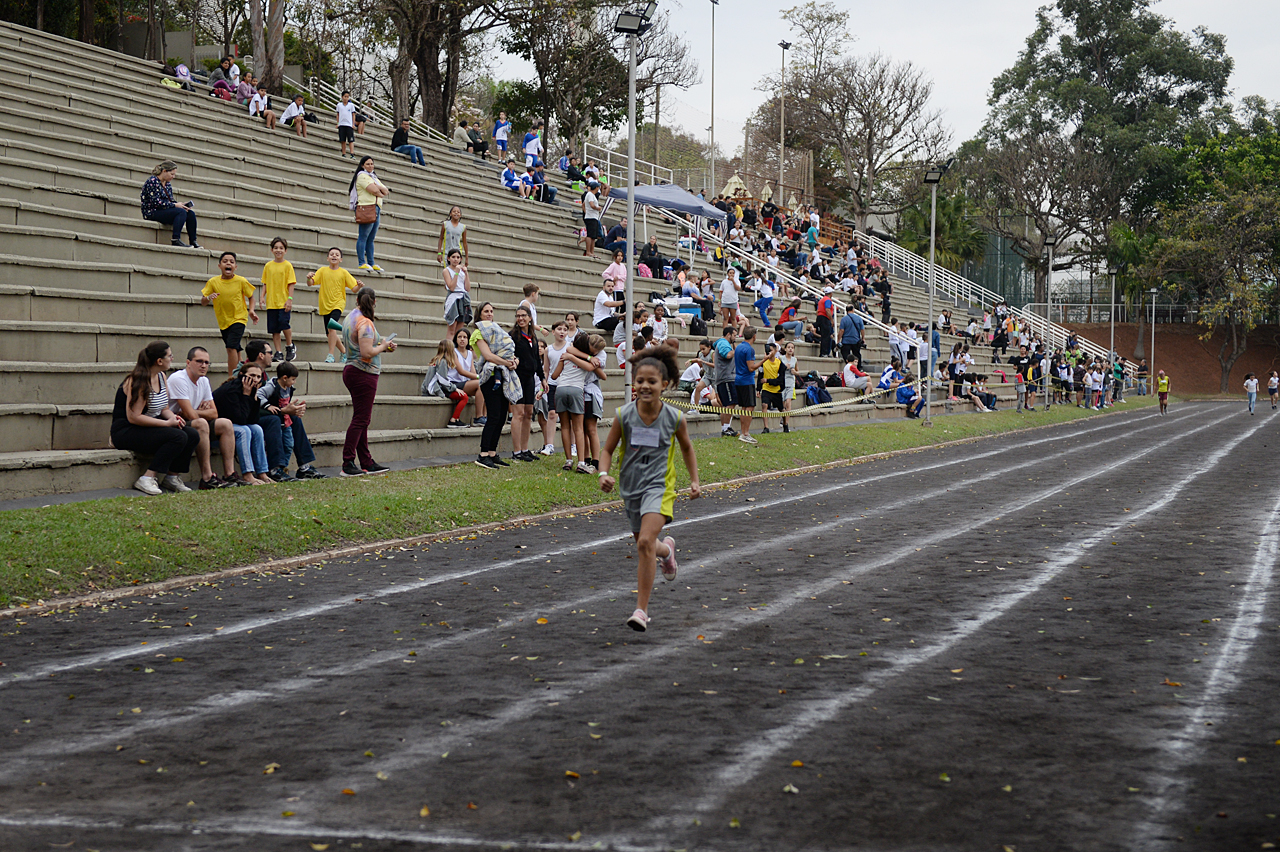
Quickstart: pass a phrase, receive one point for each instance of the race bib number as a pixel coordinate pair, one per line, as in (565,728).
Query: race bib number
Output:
(645,436)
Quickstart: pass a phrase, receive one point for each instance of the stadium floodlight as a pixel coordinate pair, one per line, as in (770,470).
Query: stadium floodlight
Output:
(932,177)
(630,23)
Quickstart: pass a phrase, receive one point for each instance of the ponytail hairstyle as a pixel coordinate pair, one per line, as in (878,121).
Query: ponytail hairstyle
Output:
(661,358)
(166,166)
(364,301)
(140,375)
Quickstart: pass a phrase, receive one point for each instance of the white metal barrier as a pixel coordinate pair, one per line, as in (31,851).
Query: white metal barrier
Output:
(614,166)
(327,96)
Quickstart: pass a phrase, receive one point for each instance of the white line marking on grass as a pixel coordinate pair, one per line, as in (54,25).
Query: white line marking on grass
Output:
(18,762)
(153,647)
(580,682)
(276,828)
(1182,748)
(754,756)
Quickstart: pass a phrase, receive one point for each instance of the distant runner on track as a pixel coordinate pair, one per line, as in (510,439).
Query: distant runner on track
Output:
(1162,388)
(646,469)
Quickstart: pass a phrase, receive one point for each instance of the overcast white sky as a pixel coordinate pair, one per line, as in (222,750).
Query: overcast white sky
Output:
(962,45)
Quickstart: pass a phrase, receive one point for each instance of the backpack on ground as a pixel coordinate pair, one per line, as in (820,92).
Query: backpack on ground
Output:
(817,394)
(835,380)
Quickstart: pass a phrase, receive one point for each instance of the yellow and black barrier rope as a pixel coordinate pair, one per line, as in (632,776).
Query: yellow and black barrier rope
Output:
(808,409)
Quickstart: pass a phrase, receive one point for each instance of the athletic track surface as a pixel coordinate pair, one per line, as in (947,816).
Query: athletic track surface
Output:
(1059,640)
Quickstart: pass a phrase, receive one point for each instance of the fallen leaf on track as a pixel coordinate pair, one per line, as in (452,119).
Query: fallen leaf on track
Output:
(1168,682)
(319,847)
(945,777)
(472,806)
(790,788)
(797,763)
(271,769)
(542,621)
(734,823)
(425,812)
(569,773)
(347,791)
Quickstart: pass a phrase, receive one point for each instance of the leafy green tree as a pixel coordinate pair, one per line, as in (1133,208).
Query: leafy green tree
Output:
(957,238)
(1223,256)
(1119,78)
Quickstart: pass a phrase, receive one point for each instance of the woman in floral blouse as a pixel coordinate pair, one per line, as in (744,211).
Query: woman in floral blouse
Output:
(158,204)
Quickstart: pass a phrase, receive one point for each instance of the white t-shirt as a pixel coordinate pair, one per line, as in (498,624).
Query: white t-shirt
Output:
(766,289)
(529,306)
(465,359)
(659,327)
(1272,383)
(257,104)
(590,206)
(728,293)
(346,114)
(602,311)
(502,132)
(813,219)
(292,111)
(1251,385)
(692,373)
(181,387)
(553,358)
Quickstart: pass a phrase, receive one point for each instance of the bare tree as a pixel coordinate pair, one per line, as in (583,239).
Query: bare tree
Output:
(876,113)
(824,32)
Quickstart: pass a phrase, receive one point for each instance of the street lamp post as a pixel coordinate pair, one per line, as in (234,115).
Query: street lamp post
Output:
(1050,240)
(714,4)
(782,114)
(1151,370)
(932,177)
(632,24)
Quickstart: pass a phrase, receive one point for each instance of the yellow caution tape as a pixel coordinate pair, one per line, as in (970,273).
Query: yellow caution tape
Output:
(808,409)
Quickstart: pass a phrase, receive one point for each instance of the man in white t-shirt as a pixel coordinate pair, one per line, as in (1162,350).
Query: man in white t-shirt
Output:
(191,397)
(729,288)
(603,317)
(346,126)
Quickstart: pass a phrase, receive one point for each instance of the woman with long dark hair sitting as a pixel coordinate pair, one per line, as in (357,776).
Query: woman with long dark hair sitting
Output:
(143,422)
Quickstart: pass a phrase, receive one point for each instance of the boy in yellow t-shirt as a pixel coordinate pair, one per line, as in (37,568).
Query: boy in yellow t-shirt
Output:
(232,298)
(277,297)
(334,282)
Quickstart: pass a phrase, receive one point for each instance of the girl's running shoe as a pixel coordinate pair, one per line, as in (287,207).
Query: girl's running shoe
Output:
(638,621)
(668,565)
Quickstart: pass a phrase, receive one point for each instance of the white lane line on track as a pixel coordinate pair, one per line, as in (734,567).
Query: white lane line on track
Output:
(153,647)
(218,704)
(278,828)
(753,756)
(1183,747)
(430,747)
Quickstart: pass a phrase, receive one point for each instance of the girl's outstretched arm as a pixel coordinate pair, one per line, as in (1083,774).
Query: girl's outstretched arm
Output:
(686,450)
(606,455)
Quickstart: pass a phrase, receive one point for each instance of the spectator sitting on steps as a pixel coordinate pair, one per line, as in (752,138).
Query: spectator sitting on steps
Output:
(236,400)
(651,257)
(142,421)
(543,191)
(220,77)
(462,138)
(400,144)
(260,105)
(191,397)
(158,204)
(295,116)
(280,416)
(478,143)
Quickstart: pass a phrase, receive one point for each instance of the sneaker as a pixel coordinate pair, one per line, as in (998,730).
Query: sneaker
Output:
(281,475)
(480,421)
(279,356)
(147,485)
(747,439)
(196,245)
(550,449)
(486,461)
(212,483)
(518,457)
(290,352)
(180,244)
(729,433)
(328,359)
(499,462)
(529,455)
(174,484)
(350,468)
(377,268)
(456,424)
(568,464)
(374,467)
(668,565)
(583,467)
(764,431)
(638,621)
(366,267)
(309,472)
(785,429)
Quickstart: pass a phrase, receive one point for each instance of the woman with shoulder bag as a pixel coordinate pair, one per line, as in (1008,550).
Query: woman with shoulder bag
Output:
(367,193)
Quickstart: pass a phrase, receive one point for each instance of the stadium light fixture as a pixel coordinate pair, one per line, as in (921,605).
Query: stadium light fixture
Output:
(932,177)
(782,113)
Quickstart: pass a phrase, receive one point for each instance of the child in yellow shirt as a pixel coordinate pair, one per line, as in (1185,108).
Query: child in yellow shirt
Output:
(334,282)
(278,280)
(232,298)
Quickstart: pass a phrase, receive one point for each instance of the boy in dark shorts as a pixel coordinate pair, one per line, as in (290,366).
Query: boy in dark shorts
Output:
(722,379)
(745,365)
(232,298)
(278,280)
(774,374)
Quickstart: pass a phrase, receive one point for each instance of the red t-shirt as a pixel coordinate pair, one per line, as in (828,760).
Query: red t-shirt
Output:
(826,307)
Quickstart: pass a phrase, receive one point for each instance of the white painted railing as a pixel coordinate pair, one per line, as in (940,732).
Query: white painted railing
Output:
(614,166)
(326,96)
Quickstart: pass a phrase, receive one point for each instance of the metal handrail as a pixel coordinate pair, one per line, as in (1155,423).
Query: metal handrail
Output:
(327,95)
(961,289)
(614,166)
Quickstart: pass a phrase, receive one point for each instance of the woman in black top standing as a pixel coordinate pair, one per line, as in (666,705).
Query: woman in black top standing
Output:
(143,422)
(529,365)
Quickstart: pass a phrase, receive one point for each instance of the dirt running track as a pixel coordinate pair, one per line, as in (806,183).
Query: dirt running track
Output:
(1063,640)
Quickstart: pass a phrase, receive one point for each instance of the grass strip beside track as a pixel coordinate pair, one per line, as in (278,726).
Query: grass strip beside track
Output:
(76,548)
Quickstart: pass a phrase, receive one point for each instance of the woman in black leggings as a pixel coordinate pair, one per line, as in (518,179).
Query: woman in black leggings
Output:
(143,422)
(496,363)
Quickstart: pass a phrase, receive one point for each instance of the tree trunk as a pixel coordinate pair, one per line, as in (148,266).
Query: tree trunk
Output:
(1238,343)
(40,14)
(258,26)
(273,49)
(399,69)
(86,21)
(1041,290)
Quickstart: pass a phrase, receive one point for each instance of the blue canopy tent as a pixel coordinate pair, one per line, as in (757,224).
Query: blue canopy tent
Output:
(670,197)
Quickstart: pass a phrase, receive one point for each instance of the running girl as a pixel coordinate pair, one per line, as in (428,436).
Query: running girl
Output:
(647,473)
(1273,388)
(1162,390)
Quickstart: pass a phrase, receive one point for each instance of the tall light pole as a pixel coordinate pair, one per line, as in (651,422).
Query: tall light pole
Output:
(782,115)
(1151,371)
(632,25)
(714,4)
(1111,354)
(1050,240)
(932,177)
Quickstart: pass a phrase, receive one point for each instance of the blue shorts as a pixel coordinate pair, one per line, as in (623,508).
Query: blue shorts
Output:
(278,319)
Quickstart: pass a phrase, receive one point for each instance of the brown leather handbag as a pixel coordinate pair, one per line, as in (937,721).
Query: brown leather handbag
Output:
(366,214)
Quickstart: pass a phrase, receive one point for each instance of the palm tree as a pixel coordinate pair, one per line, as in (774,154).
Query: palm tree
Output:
(958,238)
